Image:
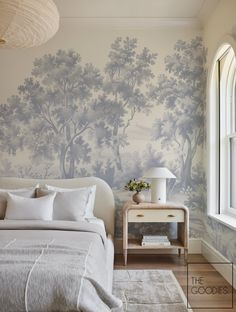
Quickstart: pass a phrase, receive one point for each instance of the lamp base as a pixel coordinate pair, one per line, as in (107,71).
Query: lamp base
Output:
(158,191)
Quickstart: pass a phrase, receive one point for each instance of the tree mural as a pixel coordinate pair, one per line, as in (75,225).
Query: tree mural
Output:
(72,119)
(126,76)
(68,90)
(64,104)
(55,109)
(182,92)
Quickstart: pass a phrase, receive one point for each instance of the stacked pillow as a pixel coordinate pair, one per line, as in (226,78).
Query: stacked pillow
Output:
(21,208)
(71,204)
(25,192)
(50,203)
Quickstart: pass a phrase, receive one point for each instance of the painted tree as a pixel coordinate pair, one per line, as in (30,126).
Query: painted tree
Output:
(11,136)
(128,72)
(63,101)
(182,93)
(54,109)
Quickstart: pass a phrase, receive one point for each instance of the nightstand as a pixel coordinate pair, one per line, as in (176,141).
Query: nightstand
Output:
(154,212)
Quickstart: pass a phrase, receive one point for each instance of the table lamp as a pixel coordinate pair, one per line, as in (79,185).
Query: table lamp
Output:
(158,178)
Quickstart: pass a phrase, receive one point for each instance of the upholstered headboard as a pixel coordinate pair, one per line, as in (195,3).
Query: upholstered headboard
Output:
(104,202)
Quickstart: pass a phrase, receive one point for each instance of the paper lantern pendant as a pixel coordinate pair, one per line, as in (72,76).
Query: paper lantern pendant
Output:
(27,23)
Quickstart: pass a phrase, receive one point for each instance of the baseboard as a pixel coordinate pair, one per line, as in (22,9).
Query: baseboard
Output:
(194,248)
(213,255)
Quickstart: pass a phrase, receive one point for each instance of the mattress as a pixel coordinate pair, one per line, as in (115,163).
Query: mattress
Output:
(109,251)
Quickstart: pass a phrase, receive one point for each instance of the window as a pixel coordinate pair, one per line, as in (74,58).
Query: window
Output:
(227,138)
(222,137)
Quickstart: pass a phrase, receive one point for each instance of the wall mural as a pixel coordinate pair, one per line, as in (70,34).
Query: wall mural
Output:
(71,119)
(221,237)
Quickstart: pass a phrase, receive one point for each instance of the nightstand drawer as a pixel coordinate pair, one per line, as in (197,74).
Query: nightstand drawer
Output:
(155,215)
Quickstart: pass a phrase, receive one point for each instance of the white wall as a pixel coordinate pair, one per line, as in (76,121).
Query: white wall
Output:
(222,22)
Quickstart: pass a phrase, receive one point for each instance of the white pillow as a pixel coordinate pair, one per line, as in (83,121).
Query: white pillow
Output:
(21,208)
(24,192)
(91,198)
(71,205)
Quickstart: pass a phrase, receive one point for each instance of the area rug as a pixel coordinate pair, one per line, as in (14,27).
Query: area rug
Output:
(149,291)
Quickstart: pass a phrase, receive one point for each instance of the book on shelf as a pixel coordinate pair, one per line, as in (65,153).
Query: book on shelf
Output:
(152,240)
(155,243)
(155,239)
(155,236)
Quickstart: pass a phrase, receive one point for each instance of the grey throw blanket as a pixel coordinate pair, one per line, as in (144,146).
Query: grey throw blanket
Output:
(54,273)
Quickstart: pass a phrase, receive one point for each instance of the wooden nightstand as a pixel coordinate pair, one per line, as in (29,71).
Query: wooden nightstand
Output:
(153,212)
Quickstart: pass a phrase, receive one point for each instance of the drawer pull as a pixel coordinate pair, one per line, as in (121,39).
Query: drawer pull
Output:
(140,216)
(171,216)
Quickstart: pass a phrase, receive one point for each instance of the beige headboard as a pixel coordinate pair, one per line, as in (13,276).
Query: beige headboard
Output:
(104,202)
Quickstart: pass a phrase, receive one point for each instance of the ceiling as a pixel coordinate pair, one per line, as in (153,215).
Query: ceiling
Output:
(161,9)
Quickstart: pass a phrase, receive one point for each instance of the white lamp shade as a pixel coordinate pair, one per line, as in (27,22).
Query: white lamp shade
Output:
(27,23)
(159,172)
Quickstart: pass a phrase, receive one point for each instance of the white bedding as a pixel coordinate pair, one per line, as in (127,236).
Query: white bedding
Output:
(97,221)
(90,238)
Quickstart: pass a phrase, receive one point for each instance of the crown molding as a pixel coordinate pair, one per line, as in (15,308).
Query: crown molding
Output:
(134,22)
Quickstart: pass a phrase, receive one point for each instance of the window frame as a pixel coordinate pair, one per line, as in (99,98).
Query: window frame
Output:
(226,90)
(230,209)
(217,179)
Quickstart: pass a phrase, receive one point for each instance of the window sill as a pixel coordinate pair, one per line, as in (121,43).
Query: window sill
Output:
(227,220)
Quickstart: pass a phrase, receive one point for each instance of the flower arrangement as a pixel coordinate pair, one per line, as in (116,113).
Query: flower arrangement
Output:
(137,185)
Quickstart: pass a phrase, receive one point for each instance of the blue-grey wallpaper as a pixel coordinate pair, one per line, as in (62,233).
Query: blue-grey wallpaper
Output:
(72,118)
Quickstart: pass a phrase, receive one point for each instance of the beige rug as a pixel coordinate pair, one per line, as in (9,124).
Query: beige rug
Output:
(149,291)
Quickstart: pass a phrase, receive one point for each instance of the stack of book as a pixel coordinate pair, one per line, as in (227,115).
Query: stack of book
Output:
(153,240)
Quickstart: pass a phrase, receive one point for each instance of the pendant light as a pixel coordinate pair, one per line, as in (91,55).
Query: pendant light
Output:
(27,23)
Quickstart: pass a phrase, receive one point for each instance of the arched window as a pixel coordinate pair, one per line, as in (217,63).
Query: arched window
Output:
(222,136)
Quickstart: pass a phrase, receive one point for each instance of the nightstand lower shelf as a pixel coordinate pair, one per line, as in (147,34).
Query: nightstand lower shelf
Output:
(136,244)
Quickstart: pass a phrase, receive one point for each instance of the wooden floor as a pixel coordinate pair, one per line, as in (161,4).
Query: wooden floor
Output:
(176,264)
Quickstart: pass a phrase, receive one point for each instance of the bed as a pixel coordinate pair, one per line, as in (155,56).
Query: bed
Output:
(59,265)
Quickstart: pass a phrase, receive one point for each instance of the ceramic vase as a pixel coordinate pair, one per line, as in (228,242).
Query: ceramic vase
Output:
(138,197)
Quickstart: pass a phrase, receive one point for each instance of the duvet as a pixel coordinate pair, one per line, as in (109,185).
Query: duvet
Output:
(54,266)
